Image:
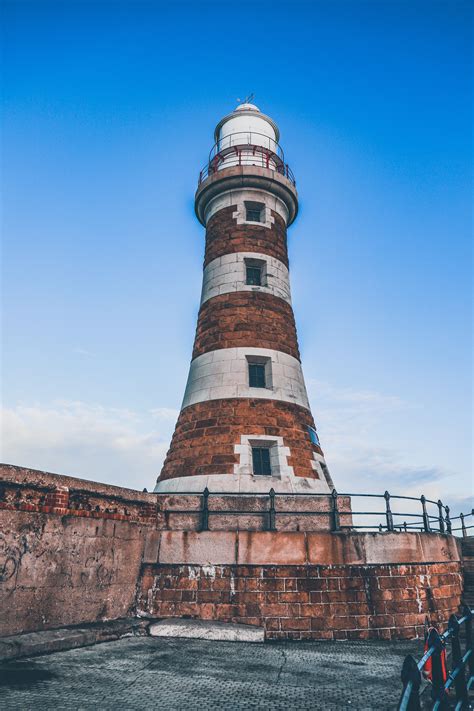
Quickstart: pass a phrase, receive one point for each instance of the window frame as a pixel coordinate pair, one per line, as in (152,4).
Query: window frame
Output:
(264,361)
(252,263)
(256,268)
(258,208)
(313,435)
(259,463)
(257,374)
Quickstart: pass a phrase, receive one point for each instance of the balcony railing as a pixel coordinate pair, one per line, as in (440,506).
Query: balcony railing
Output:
(381,512)
(247,148)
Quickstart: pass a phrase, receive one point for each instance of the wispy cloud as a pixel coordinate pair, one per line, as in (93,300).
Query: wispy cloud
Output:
(83,352)
(118,446)
(127,447)
(359,435)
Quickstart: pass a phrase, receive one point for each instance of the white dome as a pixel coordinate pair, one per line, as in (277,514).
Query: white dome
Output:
(247,107)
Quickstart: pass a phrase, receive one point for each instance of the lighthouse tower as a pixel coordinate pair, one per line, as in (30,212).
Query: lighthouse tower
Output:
(245,423)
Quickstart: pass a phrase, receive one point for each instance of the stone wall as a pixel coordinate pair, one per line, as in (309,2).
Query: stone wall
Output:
(73,551)
(251,319)
(66,570)
(308,602)
(206,434)
(225,236)
(70,550)
(307,586)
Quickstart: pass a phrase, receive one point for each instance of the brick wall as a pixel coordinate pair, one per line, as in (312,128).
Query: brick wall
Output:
(23,489)
(207,432)
(310,601)
(248,319)
(225,236)
(61,565)
(70,549)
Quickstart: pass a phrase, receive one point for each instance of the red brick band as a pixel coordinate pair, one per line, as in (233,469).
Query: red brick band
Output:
(309,601)
(206,434)
(246,319)
(225,236)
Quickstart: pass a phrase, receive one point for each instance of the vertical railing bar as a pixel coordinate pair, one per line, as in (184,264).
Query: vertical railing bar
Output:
(448,520)
(205,510)
(336,523)
(457,663)
(272,512)
(440,516)
(388,512)
(426,520)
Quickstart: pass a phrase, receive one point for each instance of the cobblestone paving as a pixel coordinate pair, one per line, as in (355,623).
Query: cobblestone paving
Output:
(157,673)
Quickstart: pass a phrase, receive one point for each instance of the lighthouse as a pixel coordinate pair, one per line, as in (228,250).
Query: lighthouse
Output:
(245,423)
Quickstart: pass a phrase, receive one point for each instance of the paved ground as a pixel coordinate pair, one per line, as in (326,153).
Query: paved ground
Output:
(159,673)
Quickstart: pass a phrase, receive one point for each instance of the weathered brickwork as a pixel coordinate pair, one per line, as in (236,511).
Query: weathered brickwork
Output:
(206,434)
(225,236)
(24,489)
(308,602)
(246,319)
(62,566)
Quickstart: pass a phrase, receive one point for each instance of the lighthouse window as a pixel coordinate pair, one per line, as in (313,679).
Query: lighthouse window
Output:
(261,461)
(313,435)
(255,271)
(254,276)
(257,375)
(254,211)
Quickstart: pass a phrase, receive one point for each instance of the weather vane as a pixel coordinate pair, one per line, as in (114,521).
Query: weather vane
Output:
(248,100)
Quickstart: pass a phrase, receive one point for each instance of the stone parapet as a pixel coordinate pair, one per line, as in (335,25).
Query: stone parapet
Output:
(23,489)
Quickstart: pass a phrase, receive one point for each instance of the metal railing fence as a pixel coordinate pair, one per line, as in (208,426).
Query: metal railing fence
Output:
(434,665)
(418,514)
(246,148)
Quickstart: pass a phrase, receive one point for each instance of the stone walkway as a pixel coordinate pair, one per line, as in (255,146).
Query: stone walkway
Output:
(160,673)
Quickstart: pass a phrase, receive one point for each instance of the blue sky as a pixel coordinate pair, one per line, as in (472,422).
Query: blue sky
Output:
(109,110)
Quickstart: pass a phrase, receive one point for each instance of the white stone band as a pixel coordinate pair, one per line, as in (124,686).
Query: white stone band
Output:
(224,374)
(237,198)
(228,273)
(285,483)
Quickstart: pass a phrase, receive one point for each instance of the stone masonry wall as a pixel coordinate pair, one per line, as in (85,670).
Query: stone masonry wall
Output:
(310,601)
(65,570)
(207,432)
(73,552)
(70,550)
(246,318)
(225,236)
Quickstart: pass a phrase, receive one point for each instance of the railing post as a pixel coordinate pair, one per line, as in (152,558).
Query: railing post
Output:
(388,511)
(438,675)
(272,513)
(336,524)
(463,526)
(469,645)
(457,663)
(448,521)
(410,698)
(205,510)
(440,516)
(426,519)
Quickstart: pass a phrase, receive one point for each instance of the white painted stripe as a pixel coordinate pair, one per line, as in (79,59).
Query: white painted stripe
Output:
(224,374)
(237,198)
(286,483)
(228,274)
